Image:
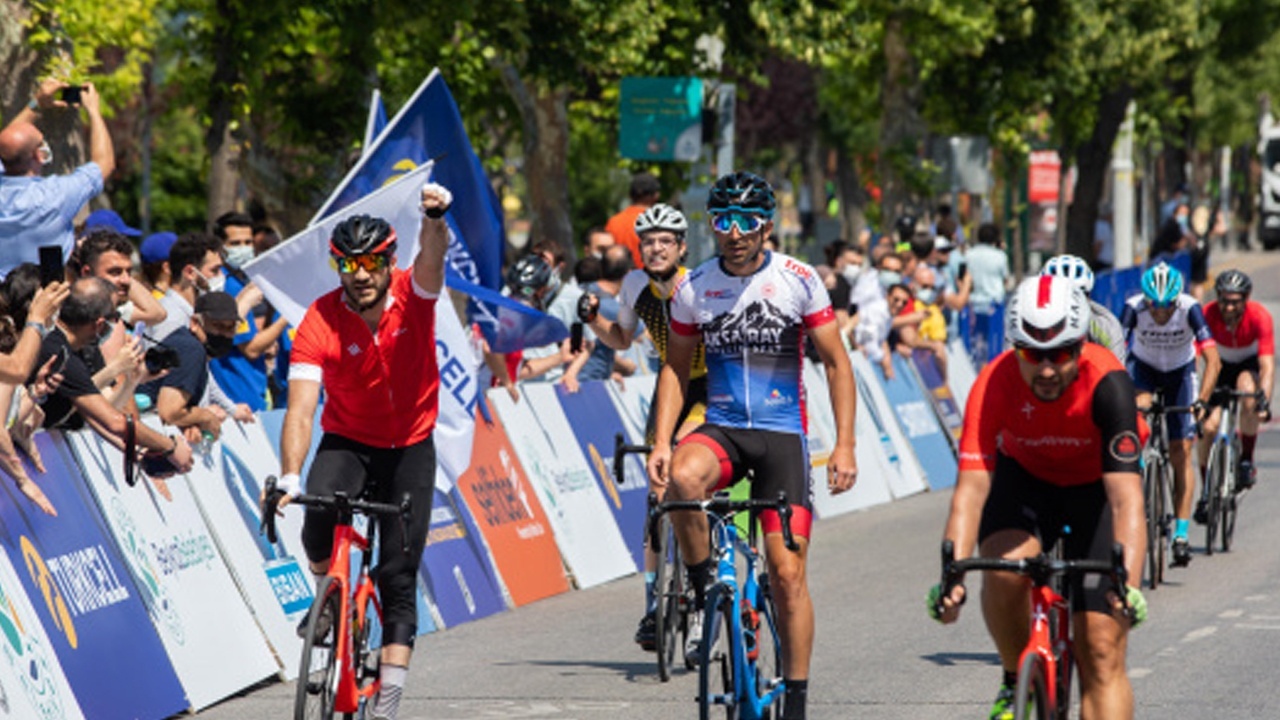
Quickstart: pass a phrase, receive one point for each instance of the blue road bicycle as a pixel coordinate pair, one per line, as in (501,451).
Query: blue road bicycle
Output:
(740,673)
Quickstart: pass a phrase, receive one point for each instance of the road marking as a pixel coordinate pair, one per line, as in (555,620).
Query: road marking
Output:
(1228,614)
(1255,598)
(1167,652)
(1200,634)
(1249,626)
(1136,673)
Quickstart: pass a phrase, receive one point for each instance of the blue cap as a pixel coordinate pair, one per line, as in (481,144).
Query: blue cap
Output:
(155,248)
(110,220)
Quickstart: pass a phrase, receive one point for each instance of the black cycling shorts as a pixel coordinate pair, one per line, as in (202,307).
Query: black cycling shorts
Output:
(1230,372)
(778,462)
(1021,501)
(381,475)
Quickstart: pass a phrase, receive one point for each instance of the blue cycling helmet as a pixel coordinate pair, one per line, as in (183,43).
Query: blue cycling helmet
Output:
(1072,268)
(1161,284)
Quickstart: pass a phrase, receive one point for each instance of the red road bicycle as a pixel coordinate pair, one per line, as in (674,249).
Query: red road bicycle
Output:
(1045,667)
(340,660)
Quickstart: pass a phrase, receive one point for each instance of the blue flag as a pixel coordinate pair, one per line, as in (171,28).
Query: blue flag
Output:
(376,123)
(507,325)
(429,127)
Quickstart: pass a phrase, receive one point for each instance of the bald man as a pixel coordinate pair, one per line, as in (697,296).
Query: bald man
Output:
(36,210)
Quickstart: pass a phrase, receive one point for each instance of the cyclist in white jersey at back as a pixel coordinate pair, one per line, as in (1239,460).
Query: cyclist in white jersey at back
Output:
(751,308)
(1165,328)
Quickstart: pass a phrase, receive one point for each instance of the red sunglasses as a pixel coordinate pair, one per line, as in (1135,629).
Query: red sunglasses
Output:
(1054,356)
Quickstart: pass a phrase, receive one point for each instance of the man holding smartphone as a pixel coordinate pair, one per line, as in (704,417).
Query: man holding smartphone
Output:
(36,210)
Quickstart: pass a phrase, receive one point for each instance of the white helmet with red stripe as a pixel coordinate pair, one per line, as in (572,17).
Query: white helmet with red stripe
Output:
(1049,312)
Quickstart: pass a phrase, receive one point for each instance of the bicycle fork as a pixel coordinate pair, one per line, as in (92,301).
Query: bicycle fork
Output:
(1049,615)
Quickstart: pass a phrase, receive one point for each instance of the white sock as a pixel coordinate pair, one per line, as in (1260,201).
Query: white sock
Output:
(387,705)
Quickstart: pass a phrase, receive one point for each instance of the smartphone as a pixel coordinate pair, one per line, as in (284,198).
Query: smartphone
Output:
(964,270)
(575,337)
(51,269)
(71,94)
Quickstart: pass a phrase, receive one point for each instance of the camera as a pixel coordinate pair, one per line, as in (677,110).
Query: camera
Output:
(71,94)
(160,358)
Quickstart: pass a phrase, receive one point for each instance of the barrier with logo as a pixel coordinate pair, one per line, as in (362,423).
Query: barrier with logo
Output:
(906,475)
(274,580)
(455,566)
(32,683)
(915,415)
(588,538)
(589,415)
(207,629)
(960,373)
(514,527)
(938,392)
(91,613)
(872,486)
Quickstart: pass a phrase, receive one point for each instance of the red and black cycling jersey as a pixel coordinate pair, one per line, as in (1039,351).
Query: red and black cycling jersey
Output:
(1090,429)
(1253,335)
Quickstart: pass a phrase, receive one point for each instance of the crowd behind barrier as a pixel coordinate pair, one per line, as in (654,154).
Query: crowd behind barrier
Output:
(188,591)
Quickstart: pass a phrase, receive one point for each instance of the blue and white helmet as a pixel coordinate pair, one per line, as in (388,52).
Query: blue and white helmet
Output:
(1072,268)
(1161,284)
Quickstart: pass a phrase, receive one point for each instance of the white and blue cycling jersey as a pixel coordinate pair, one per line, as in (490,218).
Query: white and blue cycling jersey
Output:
(1170,346)
(753,329)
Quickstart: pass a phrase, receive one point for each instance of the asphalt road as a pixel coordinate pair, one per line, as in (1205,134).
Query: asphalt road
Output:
(1209,650)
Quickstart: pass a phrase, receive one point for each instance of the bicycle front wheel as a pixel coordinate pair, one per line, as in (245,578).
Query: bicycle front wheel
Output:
(1066,671)
(717,689)
(318,672)
(1214,483)
(766,656)
(1229,497)
(1031,698)
(1151,479)
(366,643)
(668,588)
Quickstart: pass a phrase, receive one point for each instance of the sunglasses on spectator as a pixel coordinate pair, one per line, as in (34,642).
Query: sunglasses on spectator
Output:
(1054,356)
(370,263)
(747,222)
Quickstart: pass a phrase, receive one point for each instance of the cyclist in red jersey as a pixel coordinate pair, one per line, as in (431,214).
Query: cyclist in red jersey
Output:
(1051,440)
(1244,332)
(371,345)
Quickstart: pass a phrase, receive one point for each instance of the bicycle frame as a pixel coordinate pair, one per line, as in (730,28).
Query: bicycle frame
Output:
(345,537)
(1050,639)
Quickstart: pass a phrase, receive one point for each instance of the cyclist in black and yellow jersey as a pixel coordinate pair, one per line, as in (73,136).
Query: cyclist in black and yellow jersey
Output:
(646,296)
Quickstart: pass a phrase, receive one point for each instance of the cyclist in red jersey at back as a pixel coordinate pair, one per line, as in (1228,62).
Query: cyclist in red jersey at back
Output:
(1051,440)
(1245,334)
(371,345)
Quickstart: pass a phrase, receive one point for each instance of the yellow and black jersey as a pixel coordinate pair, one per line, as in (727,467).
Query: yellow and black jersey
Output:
(640,299)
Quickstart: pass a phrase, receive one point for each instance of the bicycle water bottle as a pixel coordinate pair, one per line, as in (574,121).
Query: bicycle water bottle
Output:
(750,629)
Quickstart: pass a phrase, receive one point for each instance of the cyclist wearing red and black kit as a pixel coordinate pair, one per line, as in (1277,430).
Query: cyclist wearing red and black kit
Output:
(371,345)
(1051,440)
(751,308)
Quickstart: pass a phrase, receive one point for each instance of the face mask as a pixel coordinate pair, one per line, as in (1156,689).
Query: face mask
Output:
(927,296)
(218,345)
(45,153)
(889,278)
(215,283)
(1183,222)
(239,255)
(850,273)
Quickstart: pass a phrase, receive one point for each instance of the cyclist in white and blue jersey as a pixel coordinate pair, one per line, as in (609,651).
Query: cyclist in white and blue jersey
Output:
(751,308)
(1165,328)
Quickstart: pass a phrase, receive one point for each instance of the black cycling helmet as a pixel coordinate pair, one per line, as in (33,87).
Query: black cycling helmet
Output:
(1233,281)
(362,235)
(744,191)
(527,276)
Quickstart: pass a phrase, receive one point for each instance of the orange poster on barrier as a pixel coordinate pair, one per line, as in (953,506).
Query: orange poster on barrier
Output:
(506,509)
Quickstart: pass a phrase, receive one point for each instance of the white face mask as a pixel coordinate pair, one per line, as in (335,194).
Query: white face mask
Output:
(215,283)
(239,255)
(850,273)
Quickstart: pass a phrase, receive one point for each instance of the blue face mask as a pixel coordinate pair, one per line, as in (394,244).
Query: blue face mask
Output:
(889,278)
(927,295)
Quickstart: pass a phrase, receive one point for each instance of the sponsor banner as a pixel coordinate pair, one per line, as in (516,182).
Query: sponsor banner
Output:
(960,373)
(93,627)
(455,566)
(915,416)
(872,486)
(907,475)
(632,403)
(497,494)
(272,423)
(935,385)
(588,538)
(589,416)
(207,630)
(821,434)
(226,483)
(32,685)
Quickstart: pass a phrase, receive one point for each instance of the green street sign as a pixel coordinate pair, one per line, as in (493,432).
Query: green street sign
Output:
(660,118)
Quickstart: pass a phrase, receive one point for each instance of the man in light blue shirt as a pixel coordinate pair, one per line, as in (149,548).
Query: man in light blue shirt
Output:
(989,266)
(36,210)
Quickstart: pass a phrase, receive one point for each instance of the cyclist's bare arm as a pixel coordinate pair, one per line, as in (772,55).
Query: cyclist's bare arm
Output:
(433,240)
(673,386)
(1129,524)
(1212,366)
(295,435)
(1266,374)
(967,501)
(611,333)
(842,467)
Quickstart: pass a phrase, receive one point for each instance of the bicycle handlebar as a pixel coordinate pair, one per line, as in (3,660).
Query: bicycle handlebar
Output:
(620,451)
(1158,408)
(724,507)
(1040,569)
(339,501)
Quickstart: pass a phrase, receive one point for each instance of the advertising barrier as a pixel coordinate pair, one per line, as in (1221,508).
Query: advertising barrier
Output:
(915,414)
(497,493)
(32,684)
(184,581)
(872,486)
(590,416)
(455,567)
(960,373)
(92,618)
(907,475)
(935,386)
(632,403)
(588,538)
